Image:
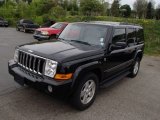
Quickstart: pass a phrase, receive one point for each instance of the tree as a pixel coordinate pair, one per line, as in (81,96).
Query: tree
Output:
(126,10)
(91,7)
(58,12)
(158,12)
(44,6)
(65,4)
(115,8)
(28,1)
(150,11)
(140,8)
(106,8)
(1,3)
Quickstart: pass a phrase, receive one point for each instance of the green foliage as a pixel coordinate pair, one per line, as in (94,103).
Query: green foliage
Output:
(157,14)
(44,6)
(150,11)
(58,12)
(125,10)
(39,19)
(140,7)
(91,7)
(115,8)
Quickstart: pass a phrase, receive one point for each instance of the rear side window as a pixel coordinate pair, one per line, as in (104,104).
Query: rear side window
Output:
(119,35)
(140,36)
(131,36)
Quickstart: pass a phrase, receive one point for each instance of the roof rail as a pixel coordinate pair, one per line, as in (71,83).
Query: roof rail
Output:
(125,23)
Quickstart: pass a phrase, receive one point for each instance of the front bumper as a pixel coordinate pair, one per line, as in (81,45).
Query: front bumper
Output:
(22,76)
(4,24)
(41,37)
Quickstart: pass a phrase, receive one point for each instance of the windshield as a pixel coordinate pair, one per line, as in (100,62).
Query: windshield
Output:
(57,26)
(27,21)
(85,34)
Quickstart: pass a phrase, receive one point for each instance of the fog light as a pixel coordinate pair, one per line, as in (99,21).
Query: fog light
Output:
(50,88)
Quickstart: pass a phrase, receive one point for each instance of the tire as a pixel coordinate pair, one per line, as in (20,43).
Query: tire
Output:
(24,30)
(17,29)
(135,68)
(85,92)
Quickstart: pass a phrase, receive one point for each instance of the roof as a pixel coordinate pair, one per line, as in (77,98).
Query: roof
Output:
(108,23)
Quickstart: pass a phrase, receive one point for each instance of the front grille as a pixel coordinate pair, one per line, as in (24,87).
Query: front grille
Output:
(31,62)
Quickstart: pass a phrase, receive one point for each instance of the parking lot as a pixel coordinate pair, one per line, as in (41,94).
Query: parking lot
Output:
(129,99)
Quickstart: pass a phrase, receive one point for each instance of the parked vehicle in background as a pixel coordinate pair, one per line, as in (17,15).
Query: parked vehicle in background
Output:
(48,23)
(3,22)
(26,26)
(85,56)
(50,32)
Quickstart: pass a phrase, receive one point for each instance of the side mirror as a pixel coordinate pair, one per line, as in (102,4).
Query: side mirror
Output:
(118,46)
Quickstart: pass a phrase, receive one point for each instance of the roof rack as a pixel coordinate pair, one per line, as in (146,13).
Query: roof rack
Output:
(125,23)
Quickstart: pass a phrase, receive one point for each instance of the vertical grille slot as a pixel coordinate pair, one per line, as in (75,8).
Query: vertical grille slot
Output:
(31,62)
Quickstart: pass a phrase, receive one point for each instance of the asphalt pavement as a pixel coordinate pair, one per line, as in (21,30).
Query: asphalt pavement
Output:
(128,99)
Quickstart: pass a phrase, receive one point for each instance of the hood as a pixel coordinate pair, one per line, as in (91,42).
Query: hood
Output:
(61,51)
(47,29)
(50,30)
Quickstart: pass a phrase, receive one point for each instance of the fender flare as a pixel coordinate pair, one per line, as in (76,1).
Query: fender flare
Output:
(138,52)
(80,69)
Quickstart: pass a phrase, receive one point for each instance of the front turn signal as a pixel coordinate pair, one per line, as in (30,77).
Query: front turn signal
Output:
(63,76)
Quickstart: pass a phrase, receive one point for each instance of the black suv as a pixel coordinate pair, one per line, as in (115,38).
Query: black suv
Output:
(26,26)
(86,56)
(3,22)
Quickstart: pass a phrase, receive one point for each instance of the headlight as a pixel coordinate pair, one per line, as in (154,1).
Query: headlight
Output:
(16,56)
(50,68)
(44,33)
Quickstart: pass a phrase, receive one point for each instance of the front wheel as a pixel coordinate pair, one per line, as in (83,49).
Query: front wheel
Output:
(135,68)
(86,92)
(17,29)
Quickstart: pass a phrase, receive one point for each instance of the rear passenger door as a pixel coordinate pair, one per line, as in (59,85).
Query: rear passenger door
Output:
(131,43)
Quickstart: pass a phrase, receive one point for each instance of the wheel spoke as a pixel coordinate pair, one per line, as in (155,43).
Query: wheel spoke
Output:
(82,93)
(87,92)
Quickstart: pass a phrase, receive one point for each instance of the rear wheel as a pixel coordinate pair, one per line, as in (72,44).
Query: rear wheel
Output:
(85,93)
(135,68)
(24,30)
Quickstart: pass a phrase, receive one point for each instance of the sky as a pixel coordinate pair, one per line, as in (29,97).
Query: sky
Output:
(130,2)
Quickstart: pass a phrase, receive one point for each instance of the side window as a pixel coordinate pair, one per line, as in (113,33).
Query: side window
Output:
(131,36)
(140,36)
(119,35)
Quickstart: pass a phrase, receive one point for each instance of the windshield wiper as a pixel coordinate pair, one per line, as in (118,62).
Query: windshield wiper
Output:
(82,42)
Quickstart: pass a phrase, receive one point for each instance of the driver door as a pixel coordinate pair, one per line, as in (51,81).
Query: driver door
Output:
(116,60)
